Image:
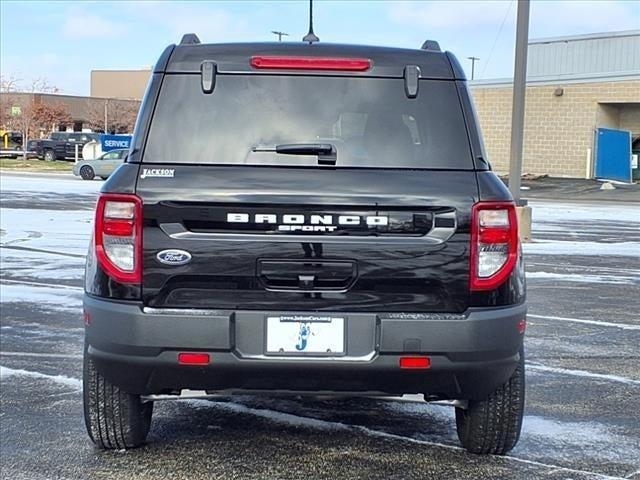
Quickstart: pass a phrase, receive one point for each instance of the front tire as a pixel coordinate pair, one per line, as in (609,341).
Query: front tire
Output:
(114,419)
(87,173)
(492,425)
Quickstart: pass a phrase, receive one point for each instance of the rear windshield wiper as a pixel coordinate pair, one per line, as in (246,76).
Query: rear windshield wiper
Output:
(326,152)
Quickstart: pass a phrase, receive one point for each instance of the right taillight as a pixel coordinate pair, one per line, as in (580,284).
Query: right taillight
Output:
(118,236)
(494,244)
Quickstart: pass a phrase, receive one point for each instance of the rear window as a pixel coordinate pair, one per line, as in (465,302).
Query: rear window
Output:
(370,121)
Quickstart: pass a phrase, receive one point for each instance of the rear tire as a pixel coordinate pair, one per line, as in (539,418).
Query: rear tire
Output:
(492,425)
(49,156)
(87,173)
(114,419)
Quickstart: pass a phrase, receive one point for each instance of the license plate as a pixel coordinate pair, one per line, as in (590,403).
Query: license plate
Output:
(305,334)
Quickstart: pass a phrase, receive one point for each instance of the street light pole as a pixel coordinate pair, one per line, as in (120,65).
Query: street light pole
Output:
(519,92)
(473,66)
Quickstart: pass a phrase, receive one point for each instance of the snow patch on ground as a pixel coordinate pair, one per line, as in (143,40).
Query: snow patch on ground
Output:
(6,373)
(598,323)
(273,415)
(547,212)
(546,439)
(563,247)
(531,367)
(40,265)
(52,298)
(583,278)
(61,231)
(52,184)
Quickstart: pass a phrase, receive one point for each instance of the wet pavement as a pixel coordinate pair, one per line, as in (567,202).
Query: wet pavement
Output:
(583,380)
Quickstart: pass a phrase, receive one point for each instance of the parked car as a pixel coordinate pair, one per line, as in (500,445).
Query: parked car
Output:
(62,145)
(326,221)
(10,144)
(102,167)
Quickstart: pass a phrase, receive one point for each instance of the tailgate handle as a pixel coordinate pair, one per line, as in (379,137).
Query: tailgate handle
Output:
(306,275)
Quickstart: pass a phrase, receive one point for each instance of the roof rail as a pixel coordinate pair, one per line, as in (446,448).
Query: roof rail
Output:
(189,39)
(431,45)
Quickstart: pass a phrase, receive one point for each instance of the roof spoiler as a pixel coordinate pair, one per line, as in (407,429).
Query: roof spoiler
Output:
(431,45)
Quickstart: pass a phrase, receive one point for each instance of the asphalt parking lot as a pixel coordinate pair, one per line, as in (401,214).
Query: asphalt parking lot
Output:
(583,378)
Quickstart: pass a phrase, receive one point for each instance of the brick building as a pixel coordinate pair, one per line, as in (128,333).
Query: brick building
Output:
(85,113)
(574,85)
(129,84)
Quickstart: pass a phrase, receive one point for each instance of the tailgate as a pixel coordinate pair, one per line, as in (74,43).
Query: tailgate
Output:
(302,239)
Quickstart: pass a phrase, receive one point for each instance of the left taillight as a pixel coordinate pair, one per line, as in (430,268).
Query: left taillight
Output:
(118,236)
(494,244)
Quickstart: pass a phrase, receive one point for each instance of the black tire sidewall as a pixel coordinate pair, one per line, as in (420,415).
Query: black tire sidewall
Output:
(108,426)
(87,173)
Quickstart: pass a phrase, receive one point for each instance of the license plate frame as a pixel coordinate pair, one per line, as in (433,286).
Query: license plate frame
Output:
(282,335)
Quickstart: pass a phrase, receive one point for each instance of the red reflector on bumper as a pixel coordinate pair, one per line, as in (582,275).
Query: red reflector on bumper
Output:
(193,358)
(522,326)
(415,362)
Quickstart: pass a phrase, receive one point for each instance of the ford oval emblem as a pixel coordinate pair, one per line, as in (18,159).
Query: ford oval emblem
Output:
(174,257)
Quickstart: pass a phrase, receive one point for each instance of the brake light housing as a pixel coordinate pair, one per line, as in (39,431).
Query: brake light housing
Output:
(494,244)
(311,63)
(118,236)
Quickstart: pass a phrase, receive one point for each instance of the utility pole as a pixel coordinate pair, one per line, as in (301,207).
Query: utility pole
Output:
(473,66)
(279,34)
(519,92)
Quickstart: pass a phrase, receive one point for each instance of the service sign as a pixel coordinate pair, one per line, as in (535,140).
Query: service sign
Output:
(115,142)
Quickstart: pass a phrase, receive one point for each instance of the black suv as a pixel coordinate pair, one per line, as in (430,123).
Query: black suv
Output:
(326,222)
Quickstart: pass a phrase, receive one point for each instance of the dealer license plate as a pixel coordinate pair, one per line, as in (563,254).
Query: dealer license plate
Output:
(305,334)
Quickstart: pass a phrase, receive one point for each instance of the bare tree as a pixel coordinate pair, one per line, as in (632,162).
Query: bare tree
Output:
(112,115)
(20,112)
(48,115)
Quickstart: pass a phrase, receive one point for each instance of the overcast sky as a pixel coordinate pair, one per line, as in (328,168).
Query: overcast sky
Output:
(64,41)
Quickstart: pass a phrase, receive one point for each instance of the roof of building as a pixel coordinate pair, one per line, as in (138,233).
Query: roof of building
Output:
(597,57)
(586,36)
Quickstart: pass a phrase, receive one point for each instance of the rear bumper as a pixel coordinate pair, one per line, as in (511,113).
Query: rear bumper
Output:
(137,348)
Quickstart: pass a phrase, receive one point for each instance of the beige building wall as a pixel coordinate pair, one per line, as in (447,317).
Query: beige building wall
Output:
(129,84)
(559,130)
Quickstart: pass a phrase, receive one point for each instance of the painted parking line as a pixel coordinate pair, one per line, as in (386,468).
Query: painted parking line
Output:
(583,373)
(40,250)
(41,284)
(72,356)
(622,326)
